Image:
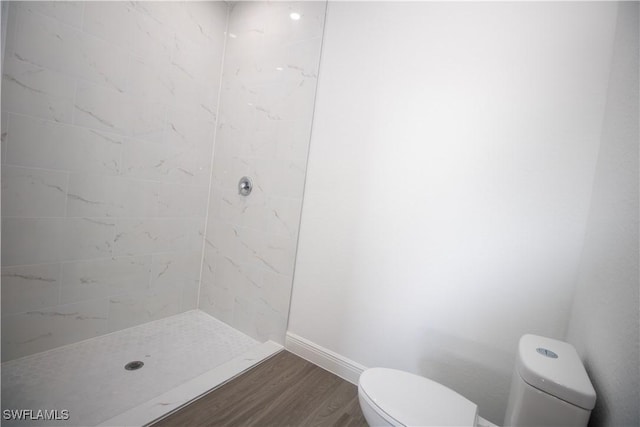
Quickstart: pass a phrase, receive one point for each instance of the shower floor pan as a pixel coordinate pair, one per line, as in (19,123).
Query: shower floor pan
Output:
(184,356)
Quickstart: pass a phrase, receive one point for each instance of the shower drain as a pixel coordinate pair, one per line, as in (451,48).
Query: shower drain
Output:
(132,366)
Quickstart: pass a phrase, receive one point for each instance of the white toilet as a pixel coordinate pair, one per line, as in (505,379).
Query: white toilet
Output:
(550,387)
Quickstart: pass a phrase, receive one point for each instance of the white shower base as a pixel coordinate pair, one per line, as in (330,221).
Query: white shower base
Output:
(184,356)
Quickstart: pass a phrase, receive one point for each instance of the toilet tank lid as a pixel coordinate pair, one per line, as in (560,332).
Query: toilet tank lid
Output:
(413,400)
(554,367)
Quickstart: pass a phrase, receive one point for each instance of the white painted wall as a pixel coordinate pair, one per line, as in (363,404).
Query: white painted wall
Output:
(451,165)
(605,319)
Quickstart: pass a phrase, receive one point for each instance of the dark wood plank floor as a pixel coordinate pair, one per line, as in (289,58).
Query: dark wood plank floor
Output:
(283,391)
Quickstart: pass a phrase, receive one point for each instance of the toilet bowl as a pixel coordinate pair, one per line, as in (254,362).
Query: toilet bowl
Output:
(550,387)
(389,397)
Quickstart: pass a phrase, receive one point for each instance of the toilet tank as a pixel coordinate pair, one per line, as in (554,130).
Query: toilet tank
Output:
(550,386)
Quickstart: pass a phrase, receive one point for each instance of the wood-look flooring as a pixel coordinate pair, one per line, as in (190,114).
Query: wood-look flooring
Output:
(285,390)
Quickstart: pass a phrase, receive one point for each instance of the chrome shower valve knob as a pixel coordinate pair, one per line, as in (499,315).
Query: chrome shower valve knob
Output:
(245,186)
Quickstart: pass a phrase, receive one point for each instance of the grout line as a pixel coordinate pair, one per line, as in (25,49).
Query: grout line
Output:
(85,260)
(5,149)
(66,196)
(215,135)
(108,218)
(75,100)
(59,283)
(84,9)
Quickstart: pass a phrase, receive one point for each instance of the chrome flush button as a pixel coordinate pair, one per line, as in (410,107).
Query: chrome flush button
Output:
(547,353)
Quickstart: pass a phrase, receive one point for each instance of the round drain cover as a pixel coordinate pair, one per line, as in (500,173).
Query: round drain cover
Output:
(132,366)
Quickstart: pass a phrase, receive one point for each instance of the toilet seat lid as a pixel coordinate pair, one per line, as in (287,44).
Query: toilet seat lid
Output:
(413,400)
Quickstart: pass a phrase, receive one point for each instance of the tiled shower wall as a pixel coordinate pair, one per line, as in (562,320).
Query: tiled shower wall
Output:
(108,120)
(266,110)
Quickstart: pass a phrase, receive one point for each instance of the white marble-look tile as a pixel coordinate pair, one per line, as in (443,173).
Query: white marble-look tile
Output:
(280,26)
(246,24)
(86,238)
(251,284)
(152,38)
(157,161)
(69,12)
(225,239)
(178,270)
(150,80)
(42,329)
(270,324)
(107,277)
(203,65)
(228,171)
(49,43)
(44,144)
(93,196)
(176,200)
(293,139)
(190,295)
(166,162)
(276,292)
(280,177)
(24,334)
(102,108)
(263,145)
(31,89)
(110,196)
(136,145)
(141,307)
(201,22)
(12,24)
(30,240)
(43,240)
(273,21)
(79,321)
(217,301)
(266,107)
(175,270)
(231,141)
(208,263)
(29,287)
(284,216)
(140,198)
(137,236)
(229,206)
(111,21)
(162,13)
(245,316)
(110,110)
(190,92)
(288,66)
(186,130)
(288,95)
(28,192)
(275,103)
(245,280)
(271,251)
(239,107)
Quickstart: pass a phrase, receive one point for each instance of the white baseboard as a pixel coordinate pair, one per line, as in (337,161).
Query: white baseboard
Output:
(323,357)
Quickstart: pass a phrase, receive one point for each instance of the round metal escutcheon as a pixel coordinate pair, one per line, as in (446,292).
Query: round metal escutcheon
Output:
(245,185)
(132,366)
